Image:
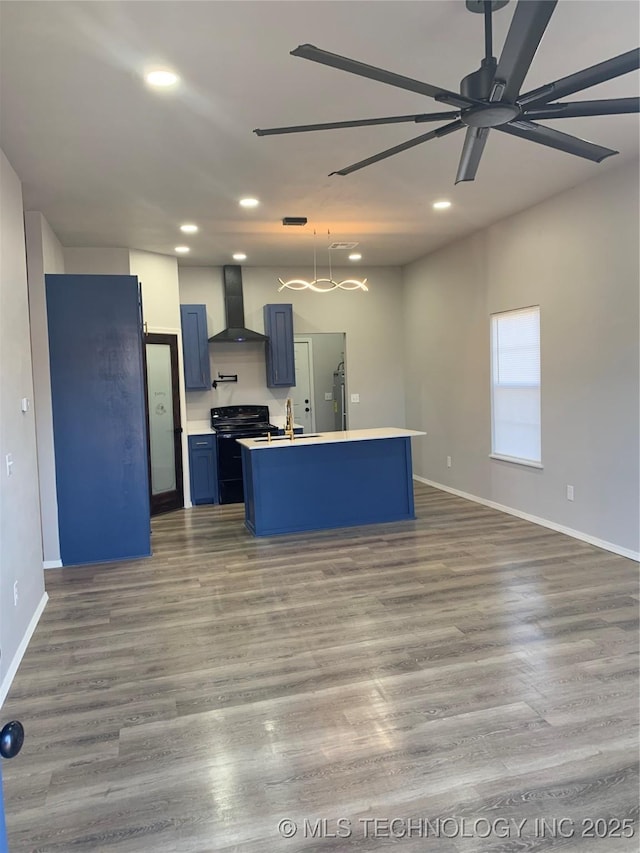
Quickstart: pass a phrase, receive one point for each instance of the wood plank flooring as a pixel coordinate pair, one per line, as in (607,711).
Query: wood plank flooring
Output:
(463,682)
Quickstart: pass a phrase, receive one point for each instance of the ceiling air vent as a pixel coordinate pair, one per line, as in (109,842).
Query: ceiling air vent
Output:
(342,245)
(294,220)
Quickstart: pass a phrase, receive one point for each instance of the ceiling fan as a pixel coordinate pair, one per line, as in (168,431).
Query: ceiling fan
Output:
(490,97)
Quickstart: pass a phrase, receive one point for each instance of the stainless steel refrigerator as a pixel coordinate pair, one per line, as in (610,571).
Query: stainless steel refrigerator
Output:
(339,402)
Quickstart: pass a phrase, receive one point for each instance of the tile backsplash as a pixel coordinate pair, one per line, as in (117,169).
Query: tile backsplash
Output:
(247,360)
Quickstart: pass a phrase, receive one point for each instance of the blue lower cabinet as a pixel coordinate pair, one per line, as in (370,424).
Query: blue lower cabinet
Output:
(203,469)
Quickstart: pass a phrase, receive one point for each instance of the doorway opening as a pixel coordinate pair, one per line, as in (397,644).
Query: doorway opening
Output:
(320,381)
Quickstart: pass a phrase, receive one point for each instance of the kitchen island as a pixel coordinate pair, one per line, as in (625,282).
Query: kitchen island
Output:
(326,480)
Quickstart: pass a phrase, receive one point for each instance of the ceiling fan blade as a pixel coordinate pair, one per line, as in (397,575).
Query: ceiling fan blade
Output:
(615,67)
(569,109)
(472,149)
(554,139)
(528,24)
(315,54)
(364,122)
(404,146)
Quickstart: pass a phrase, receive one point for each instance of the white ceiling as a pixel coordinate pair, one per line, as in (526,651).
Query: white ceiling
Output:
(111,163)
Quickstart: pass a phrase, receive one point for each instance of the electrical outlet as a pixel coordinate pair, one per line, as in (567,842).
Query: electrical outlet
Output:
(448,462)
(15,594)
(328,395)
(355,398)
(569,493)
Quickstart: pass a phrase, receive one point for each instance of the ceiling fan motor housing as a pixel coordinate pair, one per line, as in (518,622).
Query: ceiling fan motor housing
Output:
(479,86)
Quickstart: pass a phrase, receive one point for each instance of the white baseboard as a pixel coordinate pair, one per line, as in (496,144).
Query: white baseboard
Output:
(15,663)
(52,564)
(543,522)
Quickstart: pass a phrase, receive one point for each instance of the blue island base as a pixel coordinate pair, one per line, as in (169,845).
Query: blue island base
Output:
(302,487)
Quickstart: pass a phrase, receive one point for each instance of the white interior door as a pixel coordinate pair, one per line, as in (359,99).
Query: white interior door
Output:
(302,393)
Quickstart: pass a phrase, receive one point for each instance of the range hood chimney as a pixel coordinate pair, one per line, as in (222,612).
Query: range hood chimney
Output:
(235,332)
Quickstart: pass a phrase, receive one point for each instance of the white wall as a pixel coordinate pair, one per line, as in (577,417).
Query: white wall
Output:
(20,537)
(158,276)
(44,255)
(575,255)
(88,261)
(372,322)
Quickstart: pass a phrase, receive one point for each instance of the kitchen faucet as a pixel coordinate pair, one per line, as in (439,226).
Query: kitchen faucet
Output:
(288,424)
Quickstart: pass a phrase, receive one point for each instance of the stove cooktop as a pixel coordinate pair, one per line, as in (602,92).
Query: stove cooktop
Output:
(244,427)
(245,418)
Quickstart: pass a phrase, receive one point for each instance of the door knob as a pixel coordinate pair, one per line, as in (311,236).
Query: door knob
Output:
(11,739)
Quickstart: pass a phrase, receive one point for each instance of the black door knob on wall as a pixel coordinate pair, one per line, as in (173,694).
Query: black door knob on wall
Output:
(11,739)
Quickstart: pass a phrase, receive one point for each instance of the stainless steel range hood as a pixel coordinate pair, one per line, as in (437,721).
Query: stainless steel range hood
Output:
(236,331)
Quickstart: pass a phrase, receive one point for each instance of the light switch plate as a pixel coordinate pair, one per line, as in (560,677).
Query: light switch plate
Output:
(355,398)
(328,395)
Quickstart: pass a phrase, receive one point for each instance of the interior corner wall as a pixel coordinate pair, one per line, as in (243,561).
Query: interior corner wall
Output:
(576,256)
(44,255)
(20,537)
(372,322)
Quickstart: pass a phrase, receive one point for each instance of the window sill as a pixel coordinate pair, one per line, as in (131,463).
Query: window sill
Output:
(528,463)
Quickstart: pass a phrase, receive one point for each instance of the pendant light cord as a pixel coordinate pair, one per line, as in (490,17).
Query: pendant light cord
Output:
(315,263)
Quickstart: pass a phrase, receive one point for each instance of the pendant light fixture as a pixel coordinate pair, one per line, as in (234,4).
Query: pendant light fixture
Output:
(323,285)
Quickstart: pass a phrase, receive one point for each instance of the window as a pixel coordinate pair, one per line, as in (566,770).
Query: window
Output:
(515,385)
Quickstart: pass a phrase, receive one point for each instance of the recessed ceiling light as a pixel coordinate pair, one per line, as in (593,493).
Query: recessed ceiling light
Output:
(161,78)
(189,229)
(239,256)
(355,256)
(249,202)
(182,250)
(441,205)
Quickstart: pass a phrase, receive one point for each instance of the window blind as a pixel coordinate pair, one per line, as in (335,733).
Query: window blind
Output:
(515,384)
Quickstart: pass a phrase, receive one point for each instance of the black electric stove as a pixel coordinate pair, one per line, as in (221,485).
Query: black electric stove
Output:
(230,423)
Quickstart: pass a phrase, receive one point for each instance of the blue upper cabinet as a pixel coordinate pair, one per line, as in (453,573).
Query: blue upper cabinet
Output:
(195,347)
(278,326)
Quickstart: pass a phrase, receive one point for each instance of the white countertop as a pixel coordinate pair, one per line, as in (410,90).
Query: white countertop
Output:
(199,428)
(329,437)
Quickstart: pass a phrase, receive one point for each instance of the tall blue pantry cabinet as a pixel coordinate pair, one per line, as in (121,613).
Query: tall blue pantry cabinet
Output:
(99,419)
